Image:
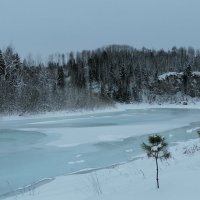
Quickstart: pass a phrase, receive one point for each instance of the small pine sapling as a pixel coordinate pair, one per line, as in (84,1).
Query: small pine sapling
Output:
(158,150)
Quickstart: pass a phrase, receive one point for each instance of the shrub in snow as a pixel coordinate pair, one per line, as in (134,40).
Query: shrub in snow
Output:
(156,149)
(198,132)
(185,103)
(191,150)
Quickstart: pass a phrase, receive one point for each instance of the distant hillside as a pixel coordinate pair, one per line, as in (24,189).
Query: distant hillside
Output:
(90,79)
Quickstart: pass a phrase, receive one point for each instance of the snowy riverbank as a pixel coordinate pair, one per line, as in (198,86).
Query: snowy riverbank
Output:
(179,179)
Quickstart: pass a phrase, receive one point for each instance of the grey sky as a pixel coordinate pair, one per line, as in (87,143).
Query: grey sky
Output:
(49,26)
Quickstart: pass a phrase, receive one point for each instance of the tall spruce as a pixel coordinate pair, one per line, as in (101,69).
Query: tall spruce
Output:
(2,65)
(61,78)
(187,79)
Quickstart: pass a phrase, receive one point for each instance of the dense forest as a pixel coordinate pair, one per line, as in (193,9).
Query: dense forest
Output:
(90,79)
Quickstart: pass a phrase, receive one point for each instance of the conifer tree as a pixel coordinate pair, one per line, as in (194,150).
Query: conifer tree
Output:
(2,64)
(156,149)
(61,78)
(186,79)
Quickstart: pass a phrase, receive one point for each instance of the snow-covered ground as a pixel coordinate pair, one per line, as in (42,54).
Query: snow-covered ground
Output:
(179,178)
(109,130)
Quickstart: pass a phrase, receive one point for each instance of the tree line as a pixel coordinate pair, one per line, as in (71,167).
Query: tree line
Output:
(90,79)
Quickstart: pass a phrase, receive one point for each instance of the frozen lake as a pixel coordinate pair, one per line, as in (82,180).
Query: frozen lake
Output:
(32,150)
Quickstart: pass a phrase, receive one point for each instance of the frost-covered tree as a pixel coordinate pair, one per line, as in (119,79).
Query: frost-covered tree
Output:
(156,149)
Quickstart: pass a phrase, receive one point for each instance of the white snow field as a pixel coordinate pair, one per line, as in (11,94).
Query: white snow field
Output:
(98,155)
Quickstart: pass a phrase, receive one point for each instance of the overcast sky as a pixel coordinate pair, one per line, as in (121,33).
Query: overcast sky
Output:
(49,26)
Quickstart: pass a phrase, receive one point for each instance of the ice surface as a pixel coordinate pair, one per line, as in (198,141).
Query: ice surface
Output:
(33,151)
(193,129)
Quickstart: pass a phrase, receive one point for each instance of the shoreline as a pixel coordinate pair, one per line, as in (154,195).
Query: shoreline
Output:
(115,108)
